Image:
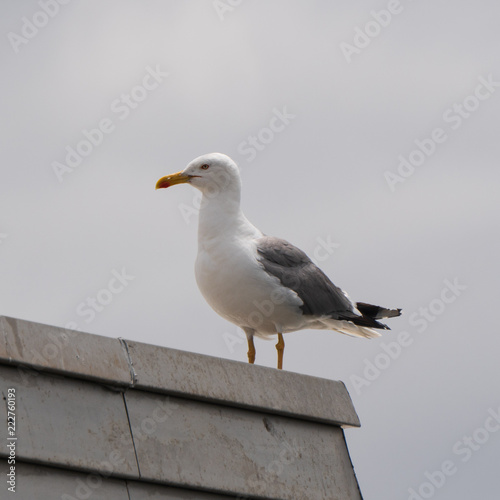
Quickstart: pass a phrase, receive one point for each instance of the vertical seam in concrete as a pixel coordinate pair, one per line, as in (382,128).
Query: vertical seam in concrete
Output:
(131,435)
(128,492)
(133,374)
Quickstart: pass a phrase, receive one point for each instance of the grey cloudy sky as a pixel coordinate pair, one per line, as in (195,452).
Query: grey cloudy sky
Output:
(375,153)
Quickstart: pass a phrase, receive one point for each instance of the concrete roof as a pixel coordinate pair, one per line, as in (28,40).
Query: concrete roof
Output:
(123,420)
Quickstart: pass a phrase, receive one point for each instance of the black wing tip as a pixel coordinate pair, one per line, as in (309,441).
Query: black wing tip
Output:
(366,321)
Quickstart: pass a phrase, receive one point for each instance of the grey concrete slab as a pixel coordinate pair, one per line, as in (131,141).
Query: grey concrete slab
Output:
(240,384)
(68,422)
(45,347)
(148,491)
(36,482)
(234,451)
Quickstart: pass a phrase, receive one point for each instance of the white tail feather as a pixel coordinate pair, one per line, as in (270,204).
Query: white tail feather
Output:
(348,328)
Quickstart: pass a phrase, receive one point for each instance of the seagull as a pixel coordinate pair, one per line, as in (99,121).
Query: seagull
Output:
(263,284)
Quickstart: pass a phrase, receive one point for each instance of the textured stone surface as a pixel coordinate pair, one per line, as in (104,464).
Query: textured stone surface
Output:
(77,354)
(235,451)
(92,412)
(35,482)
(44,347)
(240,384)
(68,422)
(147,491)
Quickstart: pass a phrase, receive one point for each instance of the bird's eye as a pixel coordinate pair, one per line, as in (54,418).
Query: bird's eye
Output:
(204,167)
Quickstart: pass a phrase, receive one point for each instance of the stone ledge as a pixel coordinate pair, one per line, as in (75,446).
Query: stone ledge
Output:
(126,363)
(38,482)
(59,350)
(243,385)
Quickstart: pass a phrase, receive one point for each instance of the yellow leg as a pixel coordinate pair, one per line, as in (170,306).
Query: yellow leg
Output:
(280,347)
(251,349)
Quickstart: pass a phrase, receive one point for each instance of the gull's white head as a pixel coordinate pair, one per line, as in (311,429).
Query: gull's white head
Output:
(212,174)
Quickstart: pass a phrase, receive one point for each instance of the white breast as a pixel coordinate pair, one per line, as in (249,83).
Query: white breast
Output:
(236,286)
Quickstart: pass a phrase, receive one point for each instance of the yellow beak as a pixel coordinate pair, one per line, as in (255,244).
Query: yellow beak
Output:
(171,180)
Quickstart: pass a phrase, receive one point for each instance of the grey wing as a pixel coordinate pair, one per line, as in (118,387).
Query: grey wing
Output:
(296,271)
